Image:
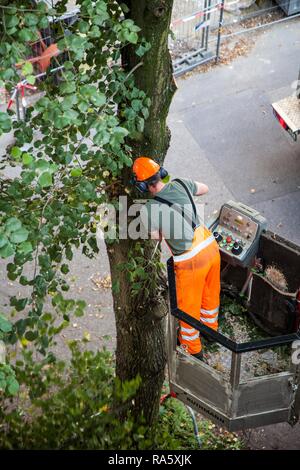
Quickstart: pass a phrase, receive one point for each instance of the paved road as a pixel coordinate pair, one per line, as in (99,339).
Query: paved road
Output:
(224,132)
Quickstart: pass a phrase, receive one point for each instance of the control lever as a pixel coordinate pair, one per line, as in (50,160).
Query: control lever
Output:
(236,249)
(218,237)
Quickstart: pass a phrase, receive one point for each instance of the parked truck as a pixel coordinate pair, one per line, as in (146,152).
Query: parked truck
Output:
(287,112)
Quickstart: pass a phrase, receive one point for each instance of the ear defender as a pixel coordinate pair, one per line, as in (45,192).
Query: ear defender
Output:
(163,173)
(140,185)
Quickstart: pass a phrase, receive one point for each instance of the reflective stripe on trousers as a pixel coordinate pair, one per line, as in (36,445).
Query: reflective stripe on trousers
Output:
(197,274)
(210,317)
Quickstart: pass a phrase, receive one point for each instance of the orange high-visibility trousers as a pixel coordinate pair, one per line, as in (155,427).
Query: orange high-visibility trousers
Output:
(197,274)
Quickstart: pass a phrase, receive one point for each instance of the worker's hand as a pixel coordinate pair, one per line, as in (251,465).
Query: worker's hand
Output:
(201,189)
(156,235)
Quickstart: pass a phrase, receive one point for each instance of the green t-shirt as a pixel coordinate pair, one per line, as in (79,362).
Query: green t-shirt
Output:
(176,230)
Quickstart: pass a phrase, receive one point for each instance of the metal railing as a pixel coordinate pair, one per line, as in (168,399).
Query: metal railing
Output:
(189,44)
(198,29)
(215,335)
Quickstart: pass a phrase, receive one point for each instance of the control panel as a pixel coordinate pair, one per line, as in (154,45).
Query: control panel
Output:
(237,231)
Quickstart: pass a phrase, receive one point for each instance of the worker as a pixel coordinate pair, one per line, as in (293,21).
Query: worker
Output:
(195,251)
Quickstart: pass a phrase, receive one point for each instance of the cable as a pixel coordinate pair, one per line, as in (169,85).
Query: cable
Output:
(195,425)
(192,413)
(155,249)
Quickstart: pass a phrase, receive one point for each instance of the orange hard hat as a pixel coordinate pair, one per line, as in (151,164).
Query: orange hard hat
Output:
(144,168)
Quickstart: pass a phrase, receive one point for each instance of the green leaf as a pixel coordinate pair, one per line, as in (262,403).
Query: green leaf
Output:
(68,65)
(8,74)
(69,101)
(61,121)
(64,268)
(119,133)
(6,251)
(5,122)
(31,335)
(27,158)
(16,153)
(13,224)
(94,32)
(44,8)
(99,99)
(78,312)
(42,165)
(140,124)
(31,19)
(47,317)
(26,35)
(5,325)
(30,79)
(81,304)
(43,23)
(137,105)
(71,115)
(3,240)
(124,7)
(27,68)
(67,87)
(23,279)
(19,304)
(102,137)
(116,286)
(69,253)
(83,27)
(100,19)
(145,112)
(20,326)
(143,48)
(131,36)
(25,248)
(75,172)
(13,387)
(91,93)
(45,179)
(19,236)
(11,21)
(83,106)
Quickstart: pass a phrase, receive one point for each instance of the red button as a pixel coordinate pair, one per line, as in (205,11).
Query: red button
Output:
(228,239)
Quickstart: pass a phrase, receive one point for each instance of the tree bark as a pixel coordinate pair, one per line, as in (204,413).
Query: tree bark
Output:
(140,321)
(155,77)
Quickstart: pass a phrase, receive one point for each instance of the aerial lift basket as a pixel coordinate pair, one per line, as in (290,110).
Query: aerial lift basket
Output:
(232,404)
(236,403)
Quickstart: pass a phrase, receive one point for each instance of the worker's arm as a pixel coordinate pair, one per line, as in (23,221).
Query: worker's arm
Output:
(201,189)
(150,227)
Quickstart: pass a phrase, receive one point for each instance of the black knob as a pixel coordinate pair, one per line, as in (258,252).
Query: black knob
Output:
(218,237)
(236,249)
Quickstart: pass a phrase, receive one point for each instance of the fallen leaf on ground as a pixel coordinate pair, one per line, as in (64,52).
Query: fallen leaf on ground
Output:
(102,283)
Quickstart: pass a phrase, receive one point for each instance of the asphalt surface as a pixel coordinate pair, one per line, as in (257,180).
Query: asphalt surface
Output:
(223,134)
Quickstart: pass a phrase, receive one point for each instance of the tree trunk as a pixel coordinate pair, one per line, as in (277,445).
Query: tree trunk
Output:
(140,320)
